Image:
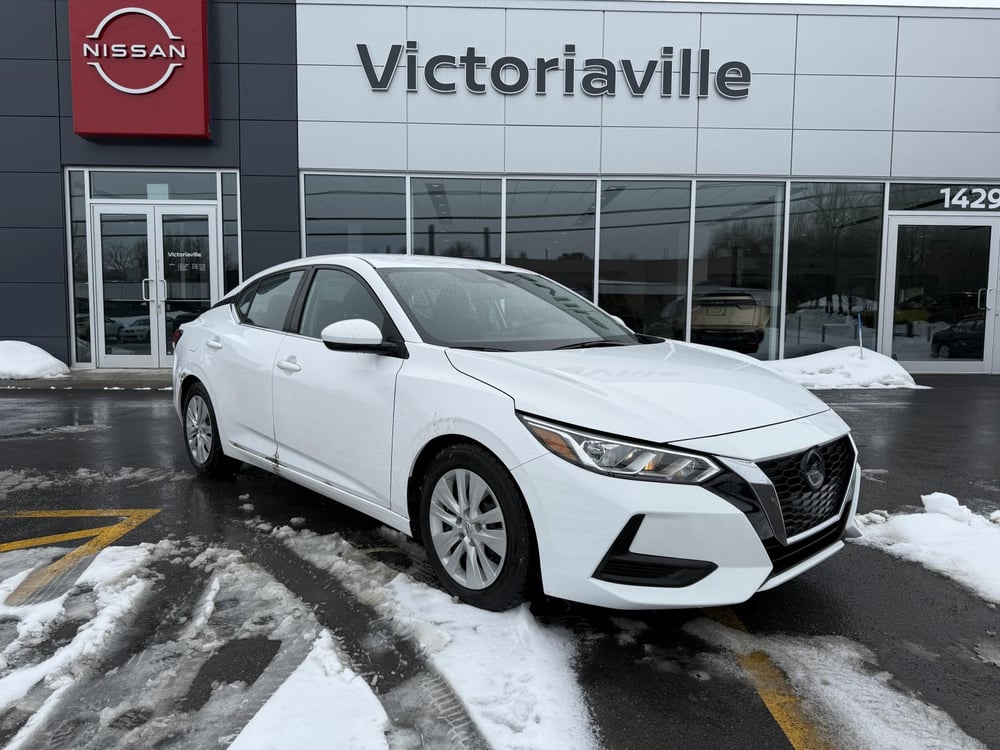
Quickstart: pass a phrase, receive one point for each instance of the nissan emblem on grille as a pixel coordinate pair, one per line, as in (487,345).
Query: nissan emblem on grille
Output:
(813,469)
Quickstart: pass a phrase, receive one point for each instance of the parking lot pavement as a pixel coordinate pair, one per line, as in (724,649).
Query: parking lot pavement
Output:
(232,581)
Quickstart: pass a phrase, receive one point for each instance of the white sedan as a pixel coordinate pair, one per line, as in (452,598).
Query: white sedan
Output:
(528,439)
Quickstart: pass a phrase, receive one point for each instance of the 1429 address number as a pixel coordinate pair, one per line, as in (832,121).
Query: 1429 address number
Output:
(971,198)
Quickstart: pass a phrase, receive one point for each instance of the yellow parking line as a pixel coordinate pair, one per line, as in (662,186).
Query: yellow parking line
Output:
(37,584)
(774,689)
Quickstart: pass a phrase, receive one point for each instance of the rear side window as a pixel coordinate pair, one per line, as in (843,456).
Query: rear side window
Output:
(267,306)
(335,296)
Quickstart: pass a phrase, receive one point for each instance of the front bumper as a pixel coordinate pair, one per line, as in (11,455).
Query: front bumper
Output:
(630,544)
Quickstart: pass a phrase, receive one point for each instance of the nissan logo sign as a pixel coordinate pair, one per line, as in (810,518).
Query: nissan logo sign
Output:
(813,469)
(97,53)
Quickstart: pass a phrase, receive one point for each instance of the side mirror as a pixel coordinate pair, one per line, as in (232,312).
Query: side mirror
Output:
(359,335)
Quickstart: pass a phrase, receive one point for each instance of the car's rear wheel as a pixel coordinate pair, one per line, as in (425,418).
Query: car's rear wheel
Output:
(476,529)
(201,436)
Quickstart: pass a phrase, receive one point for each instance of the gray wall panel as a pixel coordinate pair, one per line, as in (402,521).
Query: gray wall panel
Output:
(639,36)
(33,255)
(965,47)
(455,148)
(62,29)
(650,110)
(768,106)
(221,151)
(553,149)
(764,42)
(744,152)
(350,145)
(542,33)
(842,153)
(553,109)
(31,199)
(948,104)
(28,29)
(822,48)
(268,92)
(270,204)
(30,142)
(33,310)
(224,88)
(946,156)
(843,102)
(648,150)
(434,30)
(265,249)
(29,87)
(269,148)
(223,33)
(425,106)
(267,34)
(327,34)
(341,93)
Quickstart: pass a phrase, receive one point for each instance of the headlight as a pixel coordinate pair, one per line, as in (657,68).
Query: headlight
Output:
(619,458)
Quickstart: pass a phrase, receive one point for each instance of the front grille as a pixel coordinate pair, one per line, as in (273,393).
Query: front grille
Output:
(788,556)
(802,508)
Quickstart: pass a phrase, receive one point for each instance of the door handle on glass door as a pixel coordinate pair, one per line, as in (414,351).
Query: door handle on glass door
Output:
(288,365)
(145,290)
(213,344)
(988,293)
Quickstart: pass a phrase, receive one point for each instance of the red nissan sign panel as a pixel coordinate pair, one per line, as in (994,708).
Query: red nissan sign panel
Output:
(139,69)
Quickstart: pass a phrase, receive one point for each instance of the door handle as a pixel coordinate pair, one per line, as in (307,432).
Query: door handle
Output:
(145,290)
(979,299)
(288,366)
(988,293)
(164,282)
(213,344)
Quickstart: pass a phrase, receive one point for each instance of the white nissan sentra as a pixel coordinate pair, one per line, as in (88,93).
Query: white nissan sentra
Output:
(527,438)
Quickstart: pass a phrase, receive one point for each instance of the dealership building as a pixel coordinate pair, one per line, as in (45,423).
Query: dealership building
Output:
(775,179)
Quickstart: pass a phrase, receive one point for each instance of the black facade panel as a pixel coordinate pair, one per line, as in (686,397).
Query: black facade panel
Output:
(27,88)
(265,249)
(223,33)
(31,200)
(270,204)
(65,88)
(268,92)
(33,255)
(224,84)
(267,33)
(222,151)
(28,144)
(28,29)
(34,310)
(269,148)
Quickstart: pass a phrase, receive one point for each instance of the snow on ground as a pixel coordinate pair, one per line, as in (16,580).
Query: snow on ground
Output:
(848,367)
(22,361)
(947,538)
(514,675)
(859,705)
(321,700)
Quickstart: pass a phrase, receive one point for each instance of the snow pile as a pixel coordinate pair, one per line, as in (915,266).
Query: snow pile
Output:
(320,701)
(948,538)
(514,675)
(23,361)
(855,701)
(844,368)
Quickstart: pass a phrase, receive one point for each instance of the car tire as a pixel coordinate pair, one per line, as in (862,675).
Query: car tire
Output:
(476,528)
(201,436)
(944,351)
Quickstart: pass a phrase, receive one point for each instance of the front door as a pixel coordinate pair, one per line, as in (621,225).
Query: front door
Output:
(156,269)
(944,294)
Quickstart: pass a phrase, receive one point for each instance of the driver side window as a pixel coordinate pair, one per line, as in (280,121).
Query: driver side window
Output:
(335,296)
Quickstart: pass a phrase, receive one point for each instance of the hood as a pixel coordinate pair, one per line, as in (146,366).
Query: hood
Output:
(659,393)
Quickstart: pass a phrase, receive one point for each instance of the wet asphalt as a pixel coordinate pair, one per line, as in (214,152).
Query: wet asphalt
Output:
(649,682)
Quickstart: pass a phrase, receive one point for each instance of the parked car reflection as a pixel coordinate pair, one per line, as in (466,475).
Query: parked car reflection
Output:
(730,318)
(964,340)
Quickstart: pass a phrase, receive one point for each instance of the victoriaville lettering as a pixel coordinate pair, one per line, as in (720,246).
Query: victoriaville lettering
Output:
(594,76)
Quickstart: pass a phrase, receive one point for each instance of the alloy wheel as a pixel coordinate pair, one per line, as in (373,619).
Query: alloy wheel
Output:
(198,429)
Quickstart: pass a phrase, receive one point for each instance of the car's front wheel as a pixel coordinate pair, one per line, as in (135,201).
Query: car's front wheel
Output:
(944,351)
(476,529)
(201,436)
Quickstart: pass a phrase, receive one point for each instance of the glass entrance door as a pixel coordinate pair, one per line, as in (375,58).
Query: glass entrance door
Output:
(944,294)
(156,272)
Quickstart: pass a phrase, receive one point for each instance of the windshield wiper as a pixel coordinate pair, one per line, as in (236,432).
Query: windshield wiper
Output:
(479,348)
(592,344)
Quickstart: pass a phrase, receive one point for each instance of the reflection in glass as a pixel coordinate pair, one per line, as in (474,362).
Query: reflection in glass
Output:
(834,256)
(161,186)
(645,227)
(941,277)
(737,267)
(955,198)
(186,289)
(456,217)
(550,229)
(81,277)
(125,264)
(351,214)
(230,233)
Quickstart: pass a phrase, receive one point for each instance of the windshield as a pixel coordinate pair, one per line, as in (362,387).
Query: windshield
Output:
(500,310)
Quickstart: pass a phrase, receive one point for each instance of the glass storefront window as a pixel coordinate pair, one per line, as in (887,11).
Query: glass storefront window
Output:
(81,286)
(153,186)
(230,233)
(354,214)
(456,217)
(550,229)
(737,267)
(834,256)
(953,198)
(645,226)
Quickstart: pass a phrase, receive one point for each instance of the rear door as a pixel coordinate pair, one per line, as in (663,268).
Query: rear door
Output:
(333,410)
